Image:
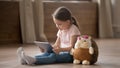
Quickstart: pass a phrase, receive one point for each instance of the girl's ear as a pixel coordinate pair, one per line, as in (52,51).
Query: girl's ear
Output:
(68,21)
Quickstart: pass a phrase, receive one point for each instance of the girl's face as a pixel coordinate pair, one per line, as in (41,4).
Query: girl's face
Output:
(62,25)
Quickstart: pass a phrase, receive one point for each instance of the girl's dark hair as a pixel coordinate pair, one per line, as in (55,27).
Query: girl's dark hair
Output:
(63,14)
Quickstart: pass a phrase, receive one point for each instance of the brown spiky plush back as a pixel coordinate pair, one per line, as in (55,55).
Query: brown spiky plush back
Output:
(96,52)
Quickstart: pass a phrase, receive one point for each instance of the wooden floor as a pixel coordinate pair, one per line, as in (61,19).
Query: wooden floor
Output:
(109,56)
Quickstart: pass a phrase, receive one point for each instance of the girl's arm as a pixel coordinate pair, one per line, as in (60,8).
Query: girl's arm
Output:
(73,40)
(72,43)
(57,43)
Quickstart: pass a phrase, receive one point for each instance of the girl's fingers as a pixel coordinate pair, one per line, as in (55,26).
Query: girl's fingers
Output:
(56,51)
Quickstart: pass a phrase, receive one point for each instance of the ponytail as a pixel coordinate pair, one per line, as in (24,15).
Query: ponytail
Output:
(74,21)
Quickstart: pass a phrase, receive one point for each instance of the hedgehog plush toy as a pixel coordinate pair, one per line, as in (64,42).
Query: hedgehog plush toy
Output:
(85,50)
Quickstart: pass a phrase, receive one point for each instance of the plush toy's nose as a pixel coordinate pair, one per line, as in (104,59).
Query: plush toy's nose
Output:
(84,40)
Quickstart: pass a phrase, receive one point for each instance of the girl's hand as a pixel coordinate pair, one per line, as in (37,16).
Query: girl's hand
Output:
(57,50)
(54,46)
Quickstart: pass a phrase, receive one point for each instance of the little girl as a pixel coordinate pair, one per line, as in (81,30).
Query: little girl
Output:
(66,38)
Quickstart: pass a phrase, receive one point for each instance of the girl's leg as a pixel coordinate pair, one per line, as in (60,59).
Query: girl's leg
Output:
(19,51)
(29,60)
(51,58)
(41,55)
(64,57)
(24,59)
(47,58)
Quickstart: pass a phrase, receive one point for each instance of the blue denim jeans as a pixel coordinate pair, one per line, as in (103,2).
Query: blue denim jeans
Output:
(50,57)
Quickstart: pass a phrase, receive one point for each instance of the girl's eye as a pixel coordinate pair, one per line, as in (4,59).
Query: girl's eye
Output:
(60,24)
